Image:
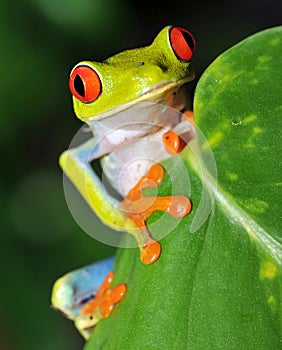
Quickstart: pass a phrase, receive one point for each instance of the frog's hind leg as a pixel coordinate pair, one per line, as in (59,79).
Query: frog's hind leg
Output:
(101,306)
(138,208)
(106,297)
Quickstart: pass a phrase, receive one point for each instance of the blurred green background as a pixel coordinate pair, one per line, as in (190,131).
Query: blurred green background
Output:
(40,42)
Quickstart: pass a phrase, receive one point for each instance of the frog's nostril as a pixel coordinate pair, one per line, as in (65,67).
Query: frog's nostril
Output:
(79,86)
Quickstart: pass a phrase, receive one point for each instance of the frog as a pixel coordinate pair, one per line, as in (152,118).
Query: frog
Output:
(125,100)
(131,101)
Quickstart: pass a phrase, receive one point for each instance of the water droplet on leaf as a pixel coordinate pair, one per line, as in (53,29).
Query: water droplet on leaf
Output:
(236,121)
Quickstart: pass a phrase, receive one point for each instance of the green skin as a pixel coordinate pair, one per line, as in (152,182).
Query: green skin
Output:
(125,81)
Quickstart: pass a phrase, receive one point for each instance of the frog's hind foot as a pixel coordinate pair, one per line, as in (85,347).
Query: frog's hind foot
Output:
(101,306)
(106,297)
(138,208)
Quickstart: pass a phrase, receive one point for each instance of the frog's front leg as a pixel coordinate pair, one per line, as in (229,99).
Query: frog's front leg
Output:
(76,165)
(138,207)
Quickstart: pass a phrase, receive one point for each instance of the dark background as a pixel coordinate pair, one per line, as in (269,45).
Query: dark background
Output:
(40,42)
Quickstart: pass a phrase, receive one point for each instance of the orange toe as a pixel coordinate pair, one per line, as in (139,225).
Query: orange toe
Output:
(173,143)
(150,253)
(180,206)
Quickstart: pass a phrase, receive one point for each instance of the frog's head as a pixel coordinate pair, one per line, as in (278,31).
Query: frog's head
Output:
(145,74)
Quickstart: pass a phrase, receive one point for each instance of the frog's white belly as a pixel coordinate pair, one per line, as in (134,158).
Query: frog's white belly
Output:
(131,142)
(130,161)
(134,122)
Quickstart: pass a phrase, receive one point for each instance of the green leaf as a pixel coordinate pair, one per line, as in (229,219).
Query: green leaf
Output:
(219,287)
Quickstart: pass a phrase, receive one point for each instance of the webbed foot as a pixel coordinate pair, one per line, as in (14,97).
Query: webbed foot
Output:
(101,306)
(138,208)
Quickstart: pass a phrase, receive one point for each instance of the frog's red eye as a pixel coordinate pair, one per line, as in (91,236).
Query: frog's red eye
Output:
(85,84)
(182,43)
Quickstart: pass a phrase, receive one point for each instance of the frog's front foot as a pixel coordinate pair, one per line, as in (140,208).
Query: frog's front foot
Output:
(138,208)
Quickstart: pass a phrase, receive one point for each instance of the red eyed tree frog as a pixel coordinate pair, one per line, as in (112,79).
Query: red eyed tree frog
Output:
(127,100)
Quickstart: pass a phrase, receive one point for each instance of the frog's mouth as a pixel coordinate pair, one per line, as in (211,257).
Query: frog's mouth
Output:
(160,89)
(155,93)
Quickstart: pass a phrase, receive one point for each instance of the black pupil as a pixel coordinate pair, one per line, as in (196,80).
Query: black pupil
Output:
(188,40)
(79,86)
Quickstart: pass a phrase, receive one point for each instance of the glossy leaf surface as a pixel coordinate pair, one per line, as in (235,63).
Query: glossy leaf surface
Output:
(219,287)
